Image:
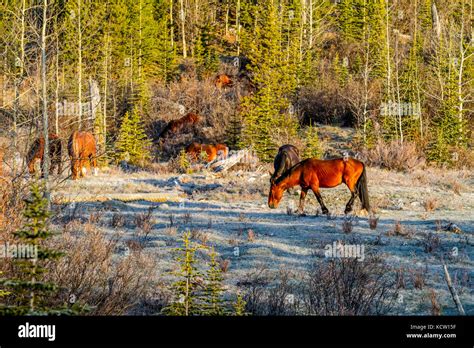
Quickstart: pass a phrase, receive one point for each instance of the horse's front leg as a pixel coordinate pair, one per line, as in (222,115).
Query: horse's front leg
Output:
(320,200)
(304,191)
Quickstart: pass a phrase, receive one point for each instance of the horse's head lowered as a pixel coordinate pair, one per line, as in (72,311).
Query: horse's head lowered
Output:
(275,195)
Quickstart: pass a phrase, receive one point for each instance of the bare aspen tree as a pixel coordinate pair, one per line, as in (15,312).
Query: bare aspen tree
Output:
(237,24)
(44,90)
(79,63)
(183,27)
(171,24)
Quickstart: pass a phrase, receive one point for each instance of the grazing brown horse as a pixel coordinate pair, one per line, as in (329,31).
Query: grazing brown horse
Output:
(223,80)
(175,126)
(313,174)
(288,155)
(36,152)
(194,151)
(83,152)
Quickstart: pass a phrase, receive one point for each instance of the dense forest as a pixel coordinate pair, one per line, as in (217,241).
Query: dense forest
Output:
(401,72)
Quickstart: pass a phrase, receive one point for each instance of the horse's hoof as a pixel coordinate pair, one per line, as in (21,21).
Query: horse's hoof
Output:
(326,212)
(302,214)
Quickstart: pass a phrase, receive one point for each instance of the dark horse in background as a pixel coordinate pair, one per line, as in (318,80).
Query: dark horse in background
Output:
(314,174)
(287,157)
(36,152)
(176,126)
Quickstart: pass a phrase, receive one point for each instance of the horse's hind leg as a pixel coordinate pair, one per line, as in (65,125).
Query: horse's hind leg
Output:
(351,202)
(351,184)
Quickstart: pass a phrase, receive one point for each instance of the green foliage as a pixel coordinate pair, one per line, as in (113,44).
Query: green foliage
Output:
(274,76)
(186,289)
(239,306)
(184,165)
(213,292)
(205,54)
(313,147)
(29,292)
(133,144)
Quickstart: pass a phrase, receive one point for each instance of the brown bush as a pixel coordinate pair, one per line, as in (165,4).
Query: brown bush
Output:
(394,156)
(89,274)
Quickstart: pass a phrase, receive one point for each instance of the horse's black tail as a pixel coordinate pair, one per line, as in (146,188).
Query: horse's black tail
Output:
(363,190)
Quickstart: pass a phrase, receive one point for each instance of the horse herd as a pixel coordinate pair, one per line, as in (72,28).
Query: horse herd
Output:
(310,174)
(82,151)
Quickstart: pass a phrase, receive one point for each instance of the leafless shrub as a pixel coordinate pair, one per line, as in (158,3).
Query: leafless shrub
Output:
(399,230)
(118,220)
(373,221)
(88,273)
(394,156)
(435,306)
(144,221)
(347,225)
(400,277)
(418,279)
(95,217)
(187,218)
(224,265)
(350,287)
(431,204)
(251,236)
(199,235)
(431,243)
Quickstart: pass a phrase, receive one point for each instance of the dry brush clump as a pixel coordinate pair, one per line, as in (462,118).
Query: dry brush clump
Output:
(90,274)
(394,156)
(350,287)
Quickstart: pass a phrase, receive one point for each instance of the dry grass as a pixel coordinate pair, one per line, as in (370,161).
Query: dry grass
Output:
(88,272)
(117,220)
(373,221)
(431,204)
(347,225)
(251,236)
(431,243)
(435,305)
(395,156)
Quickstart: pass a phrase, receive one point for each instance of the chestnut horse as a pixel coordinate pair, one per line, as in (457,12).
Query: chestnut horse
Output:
(176,126)
(223,80)
(36,152)
(314,174)
(83,152)
(194,151)
(288,155)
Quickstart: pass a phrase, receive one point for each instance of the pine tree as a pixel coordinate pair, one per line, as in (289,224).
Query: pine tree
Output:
(133,144)
(187,288)
(213,293)
(313,147)
(30,291)
(239,306)
(263,112)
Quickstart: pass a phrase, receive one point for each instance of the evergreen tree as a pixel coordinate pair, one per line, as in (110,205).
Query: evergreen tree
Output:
(312,148)
(30,290)
(213,293)
(133,144)
(187,287)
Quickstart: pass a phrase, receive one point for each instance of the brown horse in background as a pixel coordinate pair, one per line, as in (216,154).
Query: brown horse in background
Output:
(83,153)
(175,126)
(223,80)
(313,174)
(36,152)
(195,151)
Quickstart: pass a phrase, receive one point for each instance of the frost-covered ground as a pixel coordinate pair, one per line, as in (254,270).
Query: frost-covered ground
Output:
(230,210)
